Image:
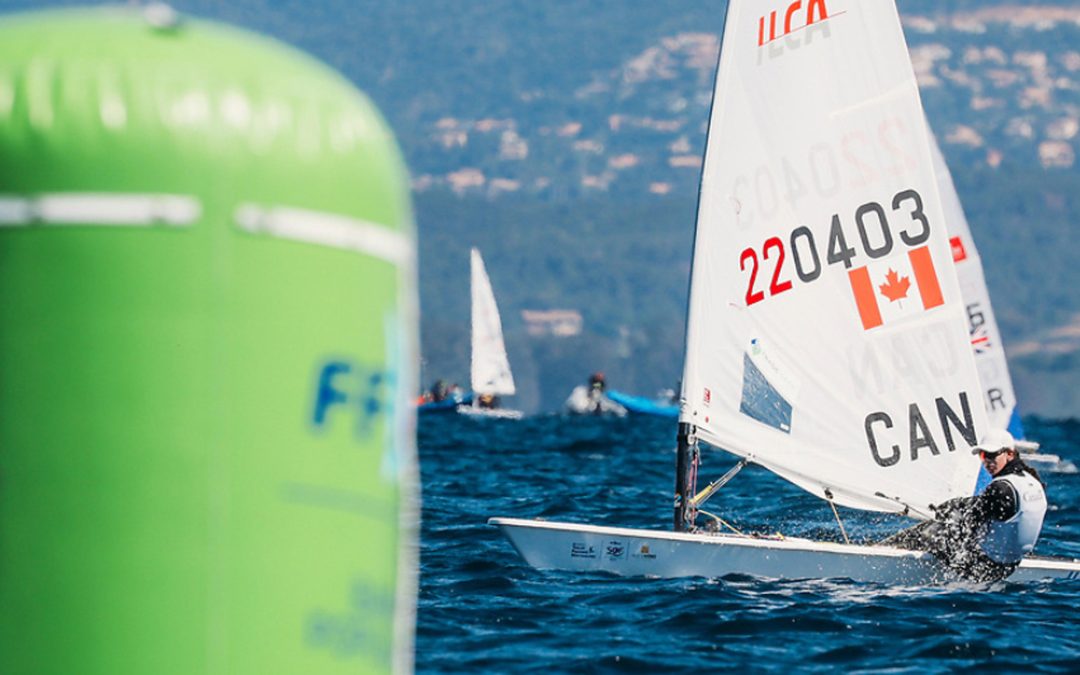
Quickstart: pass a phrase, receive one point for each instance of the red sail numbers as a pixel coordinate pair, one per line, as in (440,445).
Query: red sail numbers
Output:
(815,11)
(864,245)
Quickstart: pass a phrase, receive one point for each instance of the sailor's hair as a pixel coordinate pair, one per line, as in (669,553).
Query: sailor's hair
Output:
(1024,466)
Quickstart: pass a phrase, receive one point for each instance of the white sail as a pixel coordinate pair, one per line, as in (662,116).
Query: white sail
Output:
(827,338)
(490,371)
(986,343)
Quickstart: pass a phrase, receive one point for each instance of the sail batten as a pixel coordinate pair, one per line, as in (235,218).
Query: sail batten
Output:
(826,335)
(490,369)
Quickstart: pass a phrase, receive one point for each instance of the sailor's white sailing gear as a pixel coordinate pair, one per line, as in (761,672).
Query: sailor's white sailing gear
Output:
(984,538)
(1010,540)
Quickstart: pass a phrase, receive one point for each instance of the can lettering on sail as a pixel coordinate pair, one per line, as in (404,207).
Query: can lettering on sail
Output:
(881,428)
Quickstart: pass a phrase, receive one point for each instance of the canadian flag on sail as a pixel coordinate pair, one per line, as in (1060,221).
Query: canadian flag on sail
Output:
(896,287)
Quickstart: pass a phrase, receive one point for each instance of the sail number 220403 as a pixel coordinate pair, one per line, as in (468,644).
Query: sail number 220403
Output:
(875,235)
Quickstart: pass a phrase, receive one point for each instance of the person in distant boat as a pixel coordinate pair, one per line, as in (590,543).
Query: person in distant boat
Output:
(439,391)
(597,387)
(488,401)
(597,382)
(983,538)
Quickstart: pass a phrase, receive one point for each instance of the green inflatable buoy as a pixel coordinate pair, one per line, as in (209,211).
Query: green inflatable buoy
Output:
(207,349)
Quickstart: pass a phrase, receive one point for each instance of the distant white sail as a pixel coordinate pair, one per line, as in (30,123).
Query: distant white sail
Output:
(986,342)
(827,337)
(490,371)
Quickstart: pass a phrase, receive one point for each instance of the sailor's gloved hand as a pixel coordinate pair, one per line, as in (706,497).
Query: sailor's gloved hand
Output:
(950,510)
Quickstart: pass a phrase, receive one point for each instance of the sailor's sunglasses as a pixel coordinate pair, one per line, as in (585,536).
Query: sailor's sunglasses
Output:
(984,455)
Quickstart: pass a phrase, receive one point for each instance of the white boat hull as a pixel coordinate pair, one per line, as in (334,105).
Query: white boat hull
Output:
(1049,463)
(631,552)
(1027,448)
(500,413)
(580,403)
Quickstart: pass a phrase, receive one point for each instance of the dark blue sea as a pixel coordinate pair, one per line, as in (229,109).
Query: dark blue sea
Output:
(482,609)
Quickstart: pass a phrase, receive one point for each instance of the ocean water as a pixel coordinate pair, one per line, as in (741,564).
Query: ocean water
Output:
(482,609)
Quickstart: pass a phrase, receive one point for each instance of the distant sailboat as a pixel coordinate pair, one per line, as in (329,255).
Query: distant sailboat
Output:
(593,399)
(442,398)
(826,336)
(661,406)
(490,373)
(993,367)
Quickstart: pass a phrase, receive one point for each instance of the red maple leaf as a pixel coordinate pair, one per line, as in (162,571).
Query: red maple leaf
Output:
(895,287)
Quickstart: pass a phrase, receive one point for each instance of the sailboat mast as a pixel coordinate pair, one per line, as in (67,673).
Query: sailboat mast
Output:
(686,477)
(686,438)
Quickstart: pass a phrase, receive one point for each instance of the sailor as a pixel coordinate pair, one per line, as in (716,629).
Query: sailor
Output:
(488,401)
(597,385)
(439,391)
(597,382)
(983,538)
